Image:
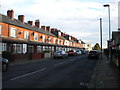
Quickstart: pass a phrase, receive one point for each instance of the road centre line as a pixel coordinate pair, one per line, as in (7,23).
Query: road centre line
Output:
(72,60)
(28,74)
(59,63)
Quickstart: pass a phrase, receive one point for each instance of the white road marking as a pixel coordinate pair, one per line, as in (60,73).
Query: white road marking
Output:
(72,60)
(59,63)
(28,74)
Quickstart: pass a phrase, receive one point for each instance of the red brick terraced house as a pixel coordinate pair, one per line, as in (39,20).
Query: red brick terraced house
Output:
(28,41)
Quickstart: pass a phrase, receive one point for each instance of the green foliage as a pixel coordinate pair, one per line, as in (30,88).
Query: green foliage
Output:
(96,47)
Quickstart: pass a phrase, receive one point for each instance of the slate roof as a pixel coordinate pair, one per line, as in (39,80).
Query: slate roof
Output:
(18,23)
(63,38)
(8,20)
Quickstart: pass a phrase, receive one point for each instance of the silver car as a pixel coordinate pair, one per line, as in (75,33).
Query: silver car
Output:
(78,52)
(60,54)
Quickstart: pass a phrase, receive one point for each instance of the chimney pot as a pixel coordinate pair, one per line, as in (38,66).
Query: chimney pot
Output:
(21,18)
(37,23)
(30,22)
(43,27)
(10,13)
(62,34)
(48,28)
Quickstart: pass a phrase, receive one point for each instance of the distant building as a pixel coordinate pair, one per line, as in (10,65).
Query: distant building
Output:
(87,46)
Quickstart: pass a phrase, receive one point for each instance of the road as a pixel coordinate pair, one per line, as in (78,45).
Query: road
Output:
(71,72)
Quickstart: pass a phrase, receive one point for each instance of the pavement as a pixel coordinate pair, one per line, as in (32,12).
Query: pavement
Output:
(105,75)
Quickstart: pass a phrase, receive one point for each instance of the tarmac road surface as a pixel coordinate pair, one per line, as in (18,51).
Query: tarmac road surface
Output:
(71,72)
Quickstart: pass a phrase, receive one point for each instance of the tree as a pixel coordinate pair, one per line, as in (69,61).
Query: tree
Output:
(96,47)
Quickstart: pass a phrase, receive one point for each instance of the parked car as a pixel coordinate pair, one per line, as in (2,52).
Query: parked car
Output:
(99,51)
(78,52)
(5,64)
(83,51)
(72,53)
(60,54)
(93,54)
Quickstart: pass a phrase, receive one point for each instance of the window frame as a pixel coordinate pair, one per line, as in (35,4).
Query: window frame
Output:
(36,36)
(26,35)
(13,32)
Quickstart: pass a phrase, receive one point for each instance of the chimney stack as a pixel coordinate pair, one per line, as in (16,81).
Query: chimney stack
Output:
(52,29)
(43,27)
(30,22)
(62,34)
(48,28)
(21,18)
(37,23)
(10,13)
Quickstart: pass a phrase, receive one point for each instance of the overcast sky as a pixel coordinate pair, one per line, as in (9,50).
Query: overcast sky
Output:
(79,18)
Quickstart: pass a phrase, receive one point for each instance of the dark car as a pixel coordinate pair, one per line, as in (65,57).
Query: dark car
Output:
(72,53)
(60,54)
(93,54)
(4,63)
(83,51)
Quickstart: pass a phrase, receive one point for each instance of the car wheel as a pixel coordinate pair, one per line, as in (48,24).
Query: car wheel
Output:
(4,67)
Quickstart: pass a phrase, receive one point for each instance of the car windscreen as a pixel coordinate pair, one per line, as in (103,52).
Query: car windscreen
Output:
(93,52)
(58,52)
(71,51)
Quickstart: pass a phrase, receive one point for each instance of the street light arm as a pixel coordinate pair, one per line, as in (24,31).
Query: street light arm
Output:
(106,5)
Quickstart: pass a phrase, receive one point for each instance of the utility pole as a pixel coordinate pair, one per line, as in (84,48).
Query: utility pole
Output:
(101,35)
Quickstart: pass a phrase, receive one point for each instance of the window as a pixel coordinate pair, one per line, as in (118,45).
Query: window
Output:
(58,41)
(26,35)
(36,37)
(66,42)
(49,39)
(17,48)
(13,32)
(43,39)
(54,40)
(0,29)
(4,46)
(24,48)
(30,48)
(39,49)
(43,48)
(61,42)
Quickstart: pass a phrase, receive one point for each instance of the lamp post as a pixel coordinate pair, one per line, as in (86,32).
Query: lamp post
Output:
(107,5)
(101,35)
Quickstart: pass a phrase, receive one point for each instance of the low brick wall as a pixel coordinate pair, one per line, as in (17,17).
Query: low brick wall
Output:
(37,56)
(14,57)
(47,55)
(28,56)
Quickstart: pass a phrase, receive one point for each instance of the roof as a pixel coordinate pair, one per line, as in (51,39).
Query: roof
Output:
(18,23)
(63,38)
(73,41)
(82,42)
